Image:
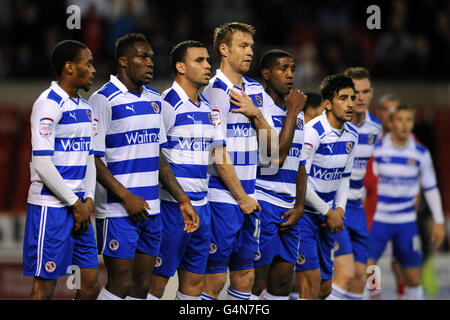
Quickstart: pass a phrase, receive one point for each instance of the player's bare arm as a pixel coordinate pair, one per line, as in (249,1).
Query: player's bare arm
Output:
(135,206)
(170,182)
(225,169)
(296,213)
(295,102)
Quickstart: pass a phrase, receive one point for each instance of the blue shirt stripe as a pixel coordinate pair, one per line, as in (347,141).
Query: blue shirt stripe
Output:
(134,165)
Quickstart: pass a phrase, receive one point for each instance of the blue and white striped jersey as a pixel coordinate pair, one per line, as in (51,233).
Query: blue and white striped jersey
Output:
(400,170)
(191,133)
(369,133)
(61,127)
(329,158)
(280,188)
(129,134)
(241,139)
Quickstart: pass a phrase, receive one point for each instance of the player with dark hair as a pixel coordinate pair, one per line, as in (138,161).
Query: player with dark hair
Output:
(313,106)
(329,148)
(193,132)
(239,104)
(129,165)
(281,194)
(58,232)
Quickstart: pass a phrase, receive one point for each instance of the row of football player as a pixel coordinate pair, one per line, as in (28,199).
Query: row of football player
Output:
(257,224)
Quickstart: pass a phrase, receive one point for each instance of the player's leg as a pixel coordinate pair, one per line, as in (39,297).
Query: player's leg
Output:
(268,244)
(226,221)
(192,268)
(326,287)
(282,267)
(261,275)
(89,286)
(48,248)
(359,236)
(407,249)
(399,278)
(146,252)
(344,271)
(308,267)
(172,247)
(117,240)
(85,257)
(309,284)
(242,261)
(379,236)
(279,280)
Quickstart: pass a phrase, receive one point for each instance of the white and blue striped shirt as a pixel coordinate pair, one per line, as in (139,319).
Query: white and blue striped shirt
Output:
(61,127)
(400,170)
(241,139)
(369,133)
(191,133)
(329,158)
(280,188)
(129,134)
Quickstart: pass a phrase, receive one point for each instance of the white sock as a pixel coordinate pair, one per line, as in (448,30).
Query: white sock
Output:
(181,296)
(337,293)
(204,296)
(414,293)
(353,296)
(237,295)
(294,296)
(254,297)
(151,297)
(106,295)
(132,298)
(268,296)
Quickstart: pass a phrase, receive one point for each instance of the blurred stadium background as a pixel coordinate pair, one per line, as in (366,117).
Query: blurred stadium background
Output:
(408,56)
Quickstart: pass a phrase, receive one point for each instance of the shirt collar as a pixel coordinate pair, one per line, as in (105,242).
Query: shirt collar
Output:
(118,83)
(59,91)
(180,91)
(224,78)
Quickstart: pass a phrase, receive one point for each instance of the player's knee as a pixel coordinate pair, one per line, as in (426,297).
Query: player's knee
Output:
(325,289)
(242,280)
(90,291)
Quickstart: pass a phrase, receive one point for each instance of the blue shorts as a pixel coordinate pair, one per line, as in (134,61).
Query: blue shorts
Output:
(234,238)
(85,251)
(188,251)
(48,243)
(316,246)
(120,237)
(405,241)
(354,239)
(272,242)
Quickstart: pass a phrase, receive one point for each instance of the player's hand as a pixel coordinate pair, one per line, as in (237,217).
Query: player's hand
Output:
(136,207)
(190,217)
(293,216)
(90,203)
(244,103)
(248,205)
(82,215)
(437,235)
(295,101)
(334,220)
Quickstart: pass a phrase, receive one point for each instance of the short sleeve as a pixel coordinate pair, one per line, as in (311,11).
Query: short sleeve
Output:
(427,173)
(101,110)
(310,146)
(45,115)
